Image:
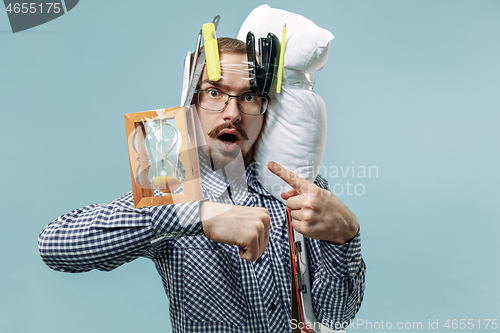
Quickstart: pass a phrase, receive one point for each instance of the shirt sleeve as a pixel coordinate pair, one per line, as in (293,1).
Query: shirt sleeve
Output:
(105,236)
(338,277)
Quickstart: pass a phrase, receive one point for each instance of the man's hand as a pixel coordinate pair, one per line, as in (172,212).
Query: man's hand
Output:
(247,227)
(316,213)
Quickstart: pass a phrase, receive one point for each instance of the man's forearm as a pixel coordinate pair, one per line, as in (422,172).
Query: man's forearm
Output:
(105,236)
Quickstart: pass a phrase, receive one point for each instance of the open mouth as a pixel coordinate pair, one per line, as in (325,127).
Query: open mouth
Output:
(227,138)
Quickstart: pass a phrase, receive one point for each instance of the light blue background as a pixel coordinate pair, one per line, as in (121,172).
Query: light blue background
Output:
(412,87)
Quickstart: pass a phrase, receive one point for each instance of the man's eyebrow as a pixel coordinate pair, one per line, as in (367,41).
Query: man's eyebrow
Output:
(217,84)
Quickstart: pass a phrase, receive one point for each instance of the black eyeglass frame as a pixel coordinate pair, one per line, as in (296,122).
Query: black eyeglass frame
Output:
(266,99)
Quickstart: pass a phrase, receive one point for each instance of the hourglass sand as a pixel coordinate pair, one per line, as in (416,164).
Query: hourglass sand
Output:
(163,138)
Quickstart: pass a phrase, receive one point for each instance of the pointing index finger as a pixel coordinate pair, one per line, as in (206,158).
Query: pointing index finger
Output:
(298,183)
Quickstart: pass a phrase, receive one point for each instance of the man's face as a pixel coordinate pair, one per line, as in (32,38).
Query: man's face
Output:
(229,131)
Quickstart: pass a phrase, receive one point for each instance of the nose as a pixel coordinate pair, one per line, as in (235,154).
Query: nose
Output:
(232,110)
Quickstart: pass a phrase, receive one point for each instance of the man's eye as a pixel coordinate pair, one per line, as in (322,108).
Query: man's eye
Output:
(213,93)
(249,98)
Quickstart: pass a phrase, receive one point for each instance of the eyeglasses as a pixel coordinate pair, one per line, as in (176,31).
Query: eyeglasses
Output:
(215,100)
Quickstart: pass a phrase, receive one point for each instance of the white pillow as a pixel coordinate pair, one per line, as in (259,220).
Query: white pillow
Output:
(294,134)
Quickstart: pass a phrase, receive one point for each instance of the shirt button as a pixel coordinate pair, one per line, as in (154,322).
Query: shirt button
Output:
(273,307)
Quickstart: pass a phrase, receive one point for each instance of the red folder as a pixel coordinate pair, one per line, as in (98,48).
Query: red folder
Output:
(302,311)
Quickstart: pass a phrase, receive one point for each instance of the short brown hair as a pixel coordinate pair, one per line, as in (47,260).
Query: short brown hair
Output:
(231,45)
(226,45)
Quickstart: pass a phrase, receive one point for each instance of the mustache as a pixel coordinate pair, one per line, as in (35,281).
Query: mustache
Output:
(214,133)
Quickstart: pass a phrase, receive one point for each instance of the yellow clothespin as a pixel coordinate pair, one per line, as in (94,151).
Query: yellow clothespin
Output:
(211,52)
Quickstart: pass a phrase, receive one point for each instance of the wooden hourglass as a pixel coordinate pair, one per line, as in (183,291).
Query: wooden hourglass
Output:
(163,155)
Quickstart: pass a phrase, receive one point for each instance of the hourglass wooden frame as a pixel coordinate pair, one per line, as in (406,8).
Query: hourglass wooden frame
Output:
(140,160)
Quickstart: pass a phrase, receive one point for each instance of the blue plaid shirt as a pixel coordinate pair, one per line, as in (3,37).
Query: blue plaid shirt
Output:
(210,288)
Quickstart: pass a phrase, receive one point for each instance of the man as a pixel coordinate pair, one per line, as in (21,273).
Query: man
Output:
(213,285)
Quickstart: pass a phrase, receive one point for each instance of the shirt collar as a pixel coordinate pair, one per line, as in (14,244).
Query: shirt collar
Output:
(251,174)
(217,182)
